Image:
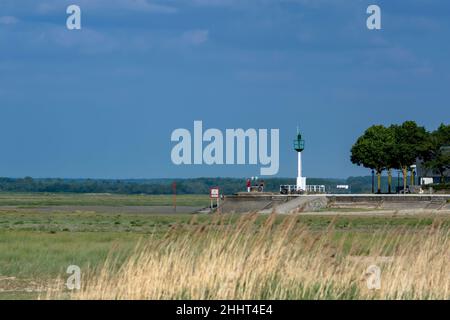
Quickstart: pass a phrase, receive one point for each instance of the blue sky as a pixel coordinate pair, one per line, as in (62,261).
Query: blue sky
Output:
(102,102)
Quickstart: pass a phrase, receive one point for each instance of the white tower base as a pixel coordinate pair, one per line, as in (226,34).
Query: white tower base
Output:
(301,181)
(301,184)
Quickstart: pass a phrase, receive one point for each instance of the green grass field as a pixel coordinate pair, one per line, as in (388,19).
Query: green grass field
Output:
(60,199)
(36,248)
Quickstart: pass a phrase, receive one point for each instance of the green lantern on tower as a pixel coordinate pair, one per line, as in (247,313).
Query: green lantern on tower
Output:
(299,143)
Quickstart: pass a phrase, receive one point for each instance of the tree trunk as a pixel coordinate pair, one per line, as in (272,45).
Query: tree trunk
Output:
(405,176)
(379,181)
(389,180)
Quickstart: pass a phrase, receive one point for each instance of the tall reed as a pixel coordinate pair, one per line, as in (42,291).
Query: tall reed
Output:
(272,259)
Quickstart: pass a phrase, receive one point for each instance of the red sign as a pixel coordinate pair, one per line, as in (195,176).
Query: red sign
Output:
(214,193)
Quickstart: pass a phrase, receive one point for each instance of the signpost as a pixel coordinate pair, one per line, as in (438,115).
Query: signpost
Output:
(214,193)
(174,189)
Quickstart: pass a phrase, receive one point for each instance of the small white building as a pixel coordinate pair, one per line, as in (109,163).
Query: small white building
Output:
(429,176)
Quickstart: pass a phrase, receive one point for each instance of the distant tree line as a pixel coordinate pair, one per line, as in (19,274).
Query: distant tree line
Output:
(399,147)
(163,186)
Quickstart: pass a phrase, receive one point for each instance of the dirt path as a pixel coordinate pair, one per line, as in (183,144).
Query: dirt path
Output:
(381,213)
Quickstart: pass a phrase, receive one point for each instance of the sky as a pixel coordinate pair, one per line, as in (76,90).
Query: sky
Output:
(102,102)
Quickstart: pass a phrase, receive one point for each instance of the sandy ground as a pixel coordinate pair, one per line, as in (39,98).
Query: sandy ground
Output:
(105,209)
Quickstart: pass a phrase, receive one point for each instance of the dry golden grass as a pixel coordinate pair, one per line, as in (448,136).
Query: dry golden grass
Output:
(287,260)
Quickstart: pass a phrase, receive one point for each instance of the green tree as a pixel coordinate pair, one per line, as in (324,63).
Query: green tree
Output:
(373,150)
(437,155)
(389,156)
(411,143)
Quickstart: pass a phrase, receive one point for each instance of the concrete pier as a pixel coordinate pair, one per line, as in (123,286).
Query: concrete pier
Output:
(284,204)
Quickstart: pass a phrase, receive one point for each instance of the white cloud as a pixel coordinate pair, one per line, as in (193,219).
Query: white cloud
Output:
(8,20)
(46,7)
(214,2)
(132,5)
(259,3)
(195,37)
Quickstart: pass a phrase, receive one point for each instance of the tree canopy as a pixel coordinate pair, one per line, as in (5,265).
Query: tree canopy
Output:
(437,154)
(410,144)
(374,150)
(400,146)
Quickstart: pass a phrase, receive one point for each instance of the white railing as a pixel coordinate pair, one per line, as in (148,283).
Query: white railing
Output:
(289,189)
(316,188)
